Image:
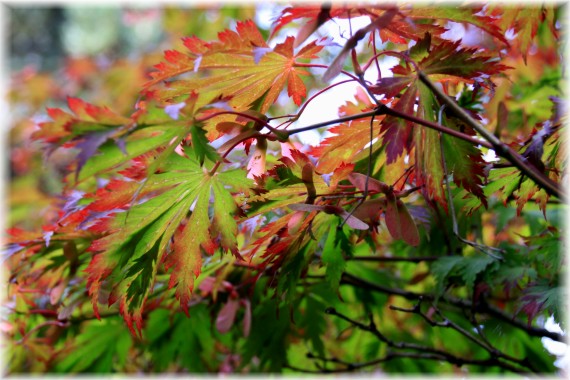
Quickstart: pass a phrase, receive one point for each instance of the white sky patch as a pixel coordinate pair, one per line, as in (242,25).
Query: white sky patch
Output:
(455,31)
(339,29)
(490,156)
(265,14)
(559,349)
(324,107)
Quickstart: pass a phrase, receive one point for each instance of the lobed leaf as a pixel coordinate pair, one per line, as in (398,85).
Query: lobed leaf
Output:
(237,72)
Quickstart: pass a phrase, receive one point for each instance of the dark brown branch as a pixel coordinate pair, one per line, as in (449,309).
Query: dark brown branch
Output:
(501,149)
(437,127)
(478,340)
(355,366)
(384,110)
(433,353)
(481,307)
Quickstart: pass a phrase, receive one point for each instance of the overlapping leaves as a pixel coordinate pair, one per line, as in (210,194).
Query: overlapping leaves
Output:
(444,61)
(172,226)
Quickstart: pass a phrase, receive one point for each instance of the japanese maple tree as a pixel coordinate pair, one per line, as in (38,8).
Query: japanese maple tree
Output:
(193,232)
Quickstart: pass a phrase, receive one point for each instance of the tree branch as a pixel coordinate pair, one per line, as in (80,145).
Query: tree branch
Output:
(432,353)
(481,307)
(501,149)
(478,340)
(385,110)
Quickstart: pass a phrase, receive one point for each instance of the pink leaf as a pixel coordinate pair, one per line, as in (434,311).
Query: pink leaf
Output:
(246,318)
(227,315)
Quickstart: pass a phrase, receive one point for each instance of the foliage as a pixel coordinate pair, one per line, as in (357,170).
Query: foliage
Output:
(185,204)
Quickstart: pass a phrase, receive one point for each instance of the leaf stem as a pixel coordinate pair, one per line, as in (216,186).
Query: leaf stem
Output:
(392,53)
(317,65)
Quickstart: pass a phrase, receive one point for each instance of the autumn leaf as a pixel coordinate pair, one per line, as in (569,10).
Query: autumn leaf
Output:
(85,118)
(445,61)
(397,31)
(466,14)
(284,185)
(241,68)
(139,238)
(349,139)
(193,197)
(86,129)
(400,222)
(524,21)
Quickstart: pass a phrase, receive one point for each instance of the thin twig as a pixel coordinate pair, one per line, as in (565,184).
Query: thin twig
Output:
(448,323)
(385,110)
(434,352)
(480,307)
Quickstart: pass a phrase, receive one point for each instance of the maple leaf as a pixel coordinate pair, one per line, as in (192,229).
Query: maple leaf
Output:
(541,150)
(86,129)
(396,31)
(464,161)
(444,61)
(467,14)
(241,68)
(98,347)
(285,184)
(468,268)
(201,147)
(139,238)
(111,155)
(524,21)
(349,139)
(332,256)
(539,297)
(85,118)
(400,222)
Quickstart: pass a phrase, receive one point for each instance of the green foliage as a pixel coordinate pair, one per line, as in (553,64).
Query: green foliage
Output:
(184,228)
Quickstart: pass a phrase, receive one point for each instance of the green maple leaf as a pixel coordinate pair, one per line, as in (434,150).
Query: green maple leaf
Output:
(140,238)
(333,256)
(428,152)
(201,146)
(98,348)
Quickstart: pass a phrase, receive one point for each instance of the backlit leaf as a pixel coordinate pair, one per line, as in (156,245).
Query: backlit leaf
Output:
(233,72)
